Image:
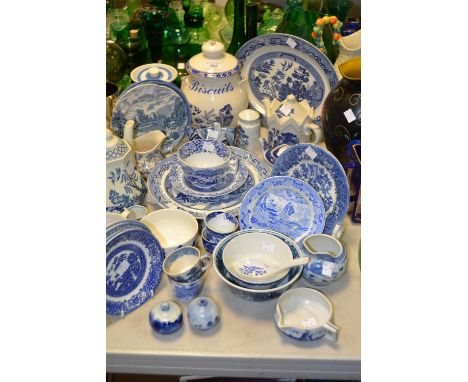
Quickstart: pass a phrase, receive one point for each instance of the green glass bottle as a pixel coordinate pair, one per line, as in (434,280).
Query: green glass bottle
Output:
(135,49)
(251,19)
(198,34)
(238,34)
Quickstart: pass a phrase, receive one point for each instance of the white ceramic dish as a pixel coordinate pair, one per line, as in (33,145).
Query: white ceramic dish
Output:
(252,253)
(173,228)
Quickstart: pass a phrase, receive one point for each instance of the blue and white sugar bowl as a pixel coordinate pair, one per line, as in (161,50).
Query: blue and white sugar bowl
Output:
(203,313)
(329,259)
(166,317)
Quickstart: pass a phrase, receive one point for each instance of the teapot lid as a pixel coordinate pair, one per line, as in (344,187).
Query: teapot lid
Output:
(115,147)
(213,62)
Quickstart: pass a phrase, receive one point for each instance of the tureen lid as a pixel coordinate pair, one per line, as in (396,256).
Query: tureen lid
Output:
(213,62)
(115,147)
(154,71)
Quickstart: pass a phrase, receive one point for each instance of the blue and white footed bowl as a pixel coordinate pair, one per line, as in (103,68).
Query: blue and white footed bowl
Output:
(204,161)
(324,269)
(203,313)
(242,289)
(166,317)
(189,290)
(219,224)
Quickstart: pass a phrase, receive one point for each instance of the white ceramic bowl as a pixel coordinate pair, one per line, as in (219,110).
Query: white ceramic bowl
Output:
(248,254)
(173,228)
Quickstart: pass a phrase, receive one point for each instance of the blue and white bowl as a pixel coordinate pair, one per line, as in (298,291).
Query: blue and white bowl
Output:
(219,224)
(205,162)
(209,245)
(242,289)
(166,317)
(203,313)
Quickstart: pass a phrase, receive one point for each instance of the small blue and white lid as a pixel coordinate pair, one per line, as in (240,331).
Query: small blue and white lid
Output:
(154,71)
(213,62)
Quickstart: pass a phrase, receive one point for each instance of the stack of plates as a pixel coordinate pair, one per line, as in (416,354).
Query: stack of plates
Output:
(134,260)
(170,190)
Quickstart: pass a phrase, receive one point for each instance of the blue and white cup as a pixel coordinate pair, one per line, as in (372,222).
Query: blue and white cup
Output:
(206,163)
(189,290)
(219,224)
(186,264)
(209,245)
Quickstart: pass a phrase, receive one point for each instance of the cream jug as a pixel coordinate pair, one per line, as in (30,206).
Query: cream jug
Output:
(214,88)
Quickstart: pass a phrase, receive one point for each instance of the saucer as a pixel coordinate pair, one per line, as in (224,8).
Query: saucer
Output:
(177,179)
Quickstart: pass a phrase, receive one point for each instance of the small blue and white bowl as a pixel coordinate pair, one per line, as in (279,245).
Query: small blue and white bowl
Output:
(209,245)
(205,162)
(203,313)
(166,317)
(220,224)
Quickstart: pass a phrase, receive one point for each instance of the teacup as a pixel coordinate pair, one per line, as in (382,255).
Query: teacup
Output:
(219,224)
(206,162)
(328,262)
(189,290)
(304,314)
(186,264)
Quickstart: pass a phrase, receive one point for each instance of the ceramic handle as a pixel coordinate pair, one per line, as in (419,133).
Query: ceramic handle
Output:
(331,331)
(206,261)
(234,164)
(316,130)
(125,213)
(338,231)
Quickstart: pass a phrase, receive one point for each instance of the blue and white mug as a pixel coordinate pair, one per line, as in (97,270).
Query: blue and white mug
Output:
(186,264)
(186,291)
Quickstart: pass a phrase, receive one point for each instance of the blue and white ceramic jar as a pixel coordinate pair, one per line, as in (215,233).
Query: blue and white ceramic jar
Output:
(329,259)
(214,87)
(166,317)
(203,313)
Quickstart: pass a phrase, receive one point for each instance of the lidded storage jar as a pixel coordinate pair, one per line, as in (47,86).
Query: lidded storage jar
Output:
(214,88)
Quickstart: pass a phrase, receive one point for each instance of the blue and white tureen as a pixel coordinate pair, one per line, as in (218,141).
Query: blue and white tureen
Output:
(214,87)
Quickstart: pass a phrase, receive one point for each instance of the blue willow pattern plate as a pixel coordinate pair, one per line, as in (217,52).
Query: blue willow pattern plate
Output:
(166,196)
(176,178)
(320,169)
(154,105)
(276,65)
(285,205)
(133,270)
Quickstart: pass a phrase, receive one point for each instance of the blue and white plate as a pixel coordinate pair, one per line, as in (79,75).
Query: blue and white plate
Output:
(177,179)
(154,105)
(283,204)
(319,168)
(133,270)
(123,225)
(276,65)
(166,196)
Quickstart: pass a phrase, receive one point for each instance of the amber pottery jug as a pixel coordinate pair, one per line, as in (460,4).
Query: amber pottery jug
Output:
(341,112)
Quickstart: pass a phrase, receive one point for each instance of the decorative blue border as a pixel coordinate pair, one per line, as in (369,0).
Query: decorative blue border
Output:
(218,75)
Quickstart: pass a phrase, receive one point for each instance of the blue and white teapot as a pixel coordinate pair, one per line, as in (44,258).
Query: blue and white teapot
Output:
(124,185)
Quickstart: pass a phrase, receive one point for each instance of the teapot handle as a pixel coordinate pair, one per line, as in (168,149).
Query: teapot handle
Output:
(316,130)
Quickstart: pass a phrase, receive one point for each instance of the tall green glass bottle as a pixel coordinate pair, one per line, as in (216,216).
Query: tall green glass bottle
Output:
(238,35)
(198,34)
(251,19)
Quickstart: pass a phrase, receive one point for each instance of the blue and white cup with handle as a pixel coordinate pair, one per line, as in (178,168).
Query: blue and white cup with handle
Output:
(186,264)
(187,291)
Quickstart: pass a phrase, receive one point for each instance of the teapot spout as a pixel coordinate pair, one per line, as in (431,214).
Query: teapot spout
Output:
(128,131)
(264,145)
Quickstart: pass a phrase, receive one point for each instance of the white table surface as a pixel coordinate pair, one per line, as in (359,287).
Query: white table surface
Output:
(246,343)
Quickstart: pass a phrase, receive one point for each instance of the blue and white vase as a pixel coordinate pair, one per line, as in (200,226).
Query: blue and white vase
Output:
(166,317)
(214,87)
(203,313)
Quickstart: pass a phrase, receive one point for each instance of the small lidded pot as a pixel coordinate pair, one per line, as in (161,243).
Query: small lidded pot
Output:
(166,317)
(214,88)
(203,313)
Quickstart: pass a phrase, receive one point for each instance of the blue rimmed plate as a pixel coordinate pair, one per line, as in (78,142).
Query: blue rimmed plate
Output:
(133,270)
(320,169)
(123,225)
(276,65)
(283,204)
(154,105)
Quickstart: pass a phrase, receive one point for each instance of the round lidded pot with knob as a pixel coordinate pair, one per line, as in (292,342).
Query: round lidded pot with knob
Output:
(214,88)
(166,317)
(203,313)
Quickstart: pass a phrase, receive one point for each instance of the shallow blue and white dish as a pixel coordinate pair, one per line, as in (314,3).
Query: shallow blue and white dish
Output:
(133,270)
(166,317)
(321,170)
(166,196)
(124,225)
(228,185)
(203,313)
(154,105)
(164,72)
(276,65)
(244,290)
(283,204)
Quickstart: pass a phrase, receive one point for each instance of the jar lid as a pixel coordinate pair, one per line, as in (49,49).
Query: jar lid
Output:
(213,62)
(154,71)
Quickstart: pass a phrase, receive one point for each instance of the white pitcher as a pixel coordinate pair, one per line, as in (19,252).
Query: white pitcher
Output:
(350,46)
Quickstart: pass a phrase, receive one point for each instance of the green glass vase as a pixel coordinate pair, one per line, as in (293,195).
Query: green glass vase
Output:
(238,35)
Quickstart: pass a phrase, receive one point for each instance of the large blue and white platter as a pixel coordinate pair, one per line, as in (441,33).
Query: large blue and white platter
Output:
(177,179)
(154,105)
(321,170)
(167,196)
(283,204)
(133,270)
(277,64)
